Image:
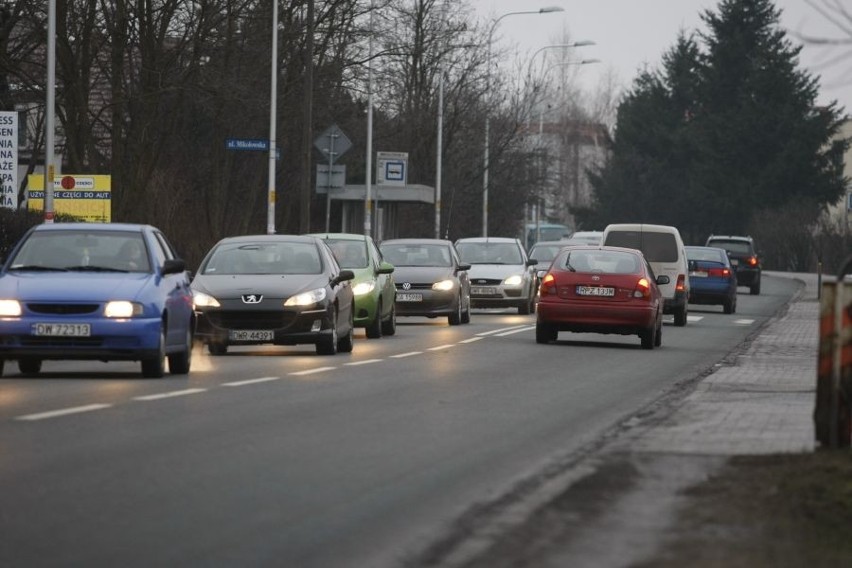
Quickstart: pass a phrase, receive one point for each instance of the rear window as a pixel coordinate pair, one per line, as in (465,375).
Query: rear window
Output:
(741,247)
(657,247)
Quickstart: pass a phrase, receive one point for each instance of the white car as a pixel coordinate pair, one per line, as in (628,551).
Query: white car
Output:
(501,274)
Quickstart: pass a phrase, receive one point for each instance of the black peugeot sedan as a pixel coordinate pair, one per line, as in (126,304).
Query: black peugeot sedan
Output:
(278,289)
(430,279)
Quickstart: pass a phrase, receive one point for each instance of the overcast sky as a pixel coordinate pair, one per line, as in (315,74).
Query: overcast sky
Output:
(633,33)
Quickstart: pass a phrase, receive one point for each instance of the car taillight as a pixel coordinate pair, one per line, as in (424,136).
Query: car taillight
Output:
(547,283)
(643,289)
(721,272)
(752,261)
(681,283)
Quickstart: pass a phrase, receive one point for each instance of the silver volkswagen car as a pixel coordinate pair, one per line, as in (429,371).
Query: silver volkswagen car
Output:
(501,274)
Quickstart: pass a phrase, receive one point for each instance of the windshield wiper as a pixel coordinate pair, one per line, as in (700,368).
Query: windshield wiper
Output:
(90,268)
(35,267)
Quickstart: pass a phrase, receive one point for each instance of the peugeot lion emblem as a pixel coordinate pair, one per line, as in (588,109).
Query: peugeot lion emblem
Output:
(252,298)
(406,286)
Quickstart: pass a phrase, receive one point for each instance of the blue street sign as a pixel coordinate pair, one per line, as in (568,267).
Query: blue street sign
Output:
(255,144)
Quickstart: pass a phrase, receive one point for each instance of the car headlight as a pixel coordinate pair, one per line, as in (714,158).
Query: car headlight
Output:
(362,288)
(306,298)
(513,280)
(202,300)
(444,285)
(10,308)
(122,309)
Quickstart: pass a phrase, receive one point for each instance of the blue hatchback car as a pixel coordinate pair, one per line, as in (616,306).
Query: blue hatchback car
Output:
(96,291)
(713,279)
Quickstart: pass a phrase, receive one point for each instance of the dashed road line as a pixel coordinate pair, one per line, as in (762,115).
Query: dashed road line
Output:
(439,347)
(403,355)
(171,394)
(493,331)
(472,340)
(63,412)
(311,371)
(744,321)
(251,381)
(694,318)
(366,362)
(525,328)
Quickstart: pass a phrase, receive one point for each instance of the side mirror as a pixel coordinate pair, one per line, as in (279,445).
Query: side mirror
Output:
(173,266)
(343,277)
(531,262)
(541,273)
(462,267)
(385,268)
(663,279)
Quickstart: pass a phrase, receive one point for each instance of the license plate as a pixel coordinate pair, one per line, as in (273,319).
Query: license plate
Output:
(251,335)
(409,297)
(698,274)
(595,291)
(62,329)
(734,261)
(483,290)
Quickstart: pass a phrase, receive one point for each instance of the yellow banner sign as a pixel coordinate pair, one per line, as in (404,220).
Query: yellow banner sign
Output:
(87,197)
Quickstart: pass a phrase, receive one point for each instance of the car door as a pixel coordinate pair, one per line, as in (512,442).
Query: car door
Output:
(463,277)
(385,282)
(176,288)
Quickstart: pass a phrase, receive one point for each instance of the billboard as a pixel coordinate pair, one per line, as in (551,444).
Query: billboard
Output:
(87,197)
(9,160)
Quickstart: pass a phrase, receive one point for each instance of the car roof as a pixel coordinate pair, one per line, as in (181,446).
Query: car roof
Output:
(731,237)
(93,226)
(417,241)
(606,249)
(271,239)
(339,236)
(642,227)
(487,240)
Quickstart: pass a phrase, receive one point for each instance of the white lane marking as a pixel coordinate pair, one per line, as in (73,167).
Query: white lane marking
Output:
(744,322)
(169,394)
(525,328)
(484,333)
(311,371)
(472,339)
(694,318)
(409,354)
(251,381)
(438,348)
(367,362)
(63,412)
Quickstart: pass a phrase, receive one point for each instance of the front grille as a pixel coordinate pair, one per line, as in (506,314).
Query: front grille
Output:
(485,281)
(414,287)
(62,309)
(251,319)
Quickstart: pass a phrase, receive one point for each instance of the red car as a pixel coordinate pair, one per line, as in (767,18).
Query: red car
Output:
(600,289)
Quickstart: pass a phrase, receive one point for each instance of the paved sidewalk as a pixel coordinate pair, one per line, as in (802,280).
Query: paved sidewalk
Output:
(762,403)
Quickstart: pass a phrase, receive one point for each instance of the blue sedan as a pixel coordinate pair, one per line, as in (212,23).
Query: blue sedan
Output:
(712,278)
(96,291)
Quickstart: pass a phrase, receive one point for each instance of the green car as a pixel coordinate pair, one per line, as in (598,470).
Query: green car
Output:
(373,286)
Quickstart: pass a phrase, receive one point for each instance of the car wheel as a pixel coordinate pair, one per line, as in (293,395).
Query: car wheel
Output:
(658,335)
(545,333)
(155,367)
(2,364)
(374,328)
(29,366)
(728,306)
(455,318)
(524,309)
(465,318)
(680,317)
(179,363)
(389,325)
(217,348)
(328,345)
(754,289)
(345,343)
(648,336)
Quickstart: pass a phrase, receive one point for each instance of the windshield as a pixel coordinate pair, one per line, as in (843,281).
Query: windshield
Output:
(545,253)
(264,258)
(349,253)
(118,251)
(607,262)
(489,253)
(417,254)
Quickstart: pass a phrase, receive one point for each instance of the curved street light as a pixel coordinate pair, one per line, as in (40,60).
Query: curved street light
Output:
(545,10)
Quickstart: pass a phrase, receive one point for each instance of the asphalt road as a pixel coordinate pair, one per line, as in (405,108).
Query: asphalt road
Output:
(278,457)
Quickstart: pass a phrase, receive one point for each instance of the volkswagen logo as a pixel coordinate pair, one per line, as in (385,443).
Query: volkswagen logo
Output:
(252,298)
(406,286)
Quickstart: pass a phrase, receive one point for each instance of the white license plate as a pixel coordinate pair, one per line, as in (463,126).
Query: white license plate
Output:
(483,290)
(734,261)
(403,297)
(250,335)
(62,329)
(595,291)
(698,274)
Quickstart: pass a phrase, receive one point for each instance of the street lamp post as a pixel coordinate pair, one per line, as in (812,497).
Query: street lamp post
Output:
(487,164)
(368,205)
(50,114)
(273,113)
